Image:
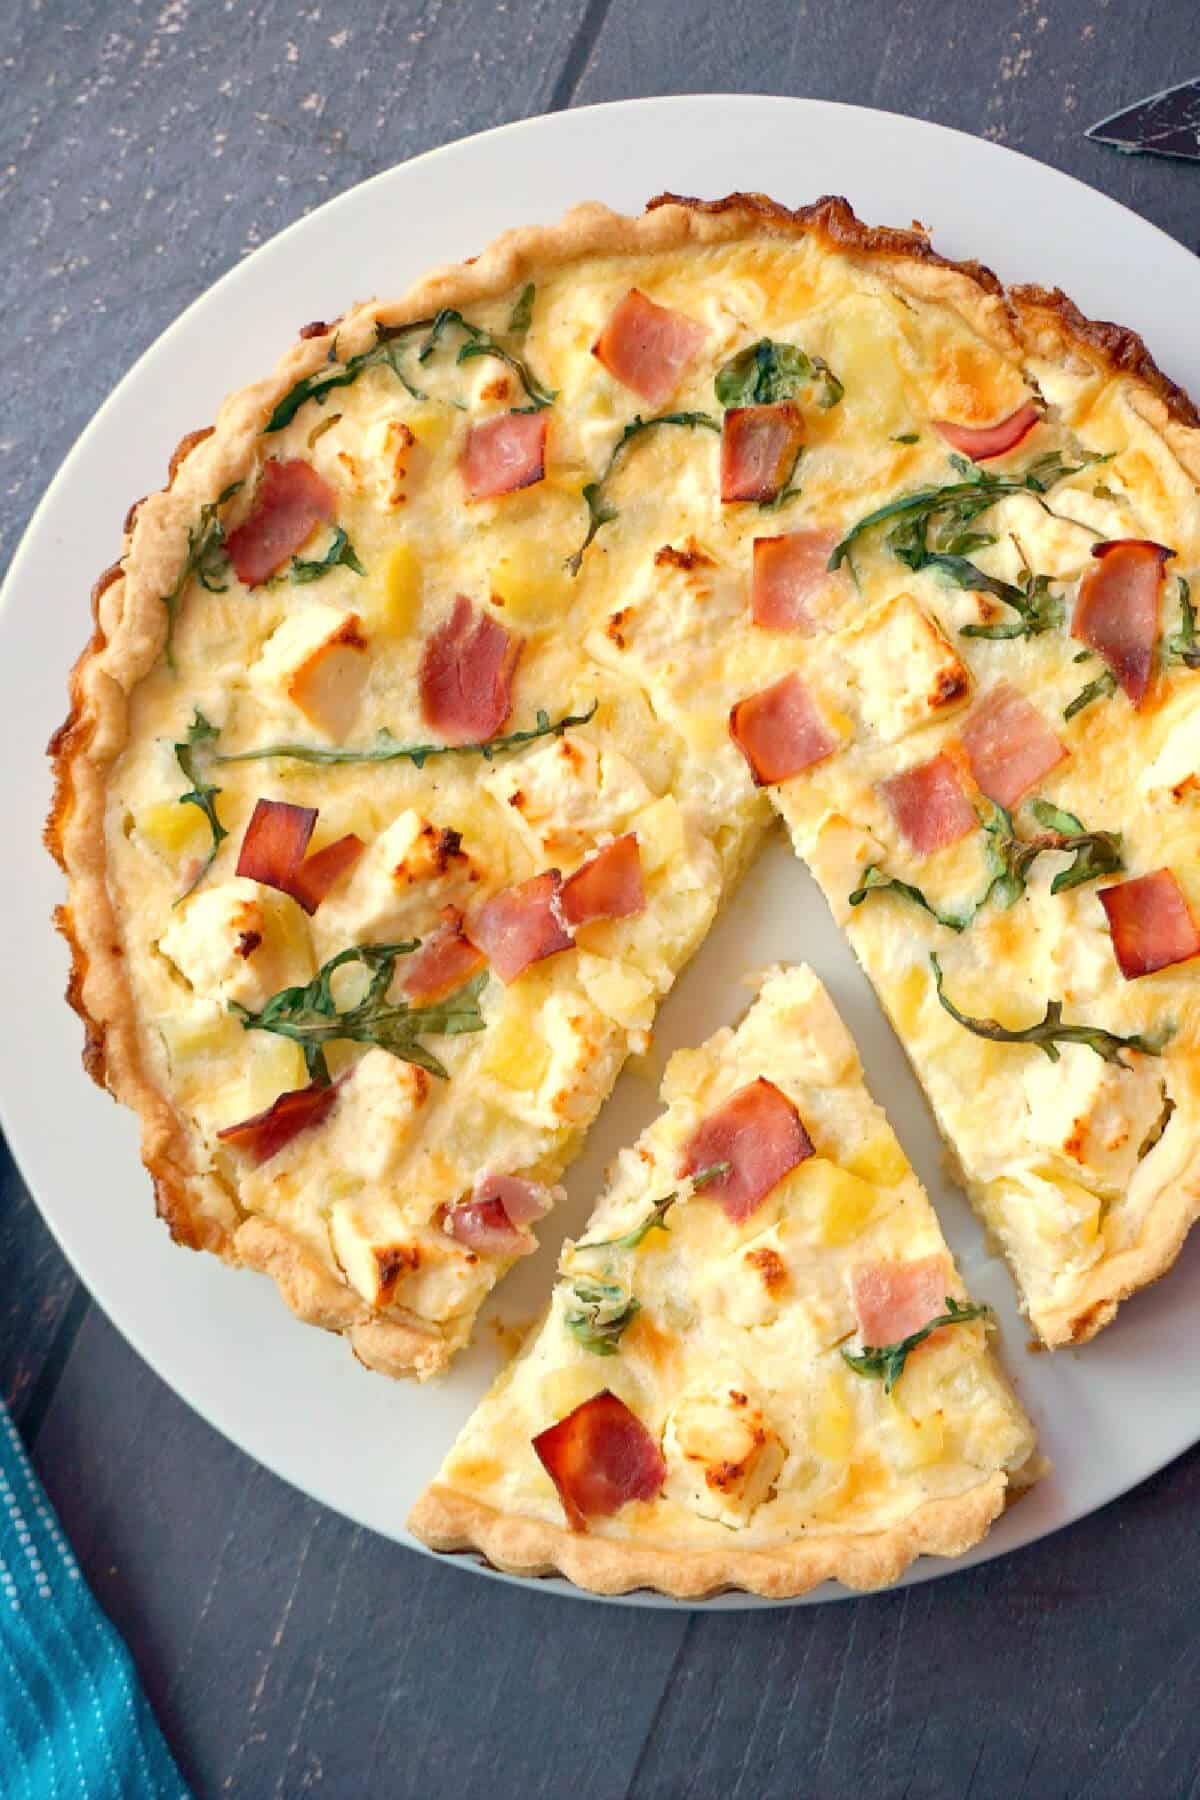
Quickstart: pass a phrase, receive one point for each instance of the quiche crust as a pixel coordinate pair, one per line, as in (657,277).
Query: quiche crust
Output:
(446,1520)
(127,640)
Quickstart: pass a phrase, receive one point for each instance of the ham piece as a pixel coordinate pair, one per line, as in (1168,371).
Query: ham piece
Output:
(599,1457)
(493,1220)
(275,841)
(266,1133)
(319,873)
(759,1133)
(446,959)
(648,347)
(466,675)
(273,852)
(980,442)
(894,1299)
(759,447)
(1009,745)
(788,573)
(291,499)
(779,731)
(929,805)
(608,886)
(1117,612)
(1151,923)
(504,454)
(522,925)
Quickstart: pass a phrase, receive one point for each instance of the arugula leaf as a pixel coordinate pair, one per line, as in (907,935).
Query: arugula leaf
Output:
(1036,607)
(1096,852)
(1049,1032)
(482,343)
(1160,1124)
(521,317)
(201,793)
(386,352)
(600,510)
(1009,860)
(941,539)
(310,1016)
(389,350)
(205,559)
(340,554)
(767,372)
(886,1362)
(1181,646)
(598,1313)
(601,1306)
(388,749)
(948,510)
(1100,689)
(875,880)
(656,1215)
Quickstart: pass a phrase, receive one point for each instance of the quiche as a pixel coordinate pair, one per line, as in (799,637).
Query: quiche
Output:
(758,1367)
(436,704)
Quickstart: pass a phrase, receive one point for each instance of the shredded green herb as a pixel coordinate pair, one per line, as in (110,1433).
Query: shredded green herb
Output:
(1100,689)
(521,317)
(1037,609)
(875,880)
(598,1313)
(481,343)
(1007,862)
(205,559)
(340,555)
(1181,646)
(937,520)
(1160,1124)
(1096,852)
(310,1016)
(886,1362)
(390,350)
(907,437)
(387,749)
(1049,1032)
(658,1212)
(601,1305)
(600,509)
(190,755)
(767,372)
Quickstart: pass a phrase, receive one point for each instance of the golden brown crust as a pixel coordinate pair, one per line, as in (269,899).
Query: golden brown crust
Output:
(840,225)
(450,1521)
(130,624)
(1112,347)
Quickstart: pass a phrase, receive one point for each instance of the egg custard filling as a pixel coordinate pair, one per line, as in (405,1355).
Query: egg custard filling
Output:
(758,1366)
(436,705)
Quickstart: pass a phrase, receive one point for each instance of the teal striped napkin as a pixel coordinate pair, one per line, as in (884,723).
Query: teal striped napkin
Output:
(74,1722)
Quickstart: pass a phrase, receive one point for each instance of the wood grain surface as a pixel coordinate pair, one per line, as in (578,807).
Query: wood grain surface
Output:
(286,1652)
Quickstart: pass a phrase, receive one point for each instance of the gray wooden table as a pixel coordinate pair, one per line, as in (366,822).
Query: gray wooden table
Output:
(285,1651)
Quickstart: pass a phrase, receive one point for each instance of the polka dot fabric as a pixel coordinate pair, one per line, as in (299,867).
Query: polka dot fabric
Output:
(74,1723)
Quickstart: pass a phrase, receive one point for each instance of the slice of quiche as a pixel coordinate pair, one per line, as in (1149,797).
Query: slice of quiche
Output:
(759,1368)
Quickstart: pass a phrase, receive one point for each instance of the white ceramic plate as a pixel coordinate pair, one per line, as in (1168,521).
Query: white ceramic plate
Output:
(295,1398)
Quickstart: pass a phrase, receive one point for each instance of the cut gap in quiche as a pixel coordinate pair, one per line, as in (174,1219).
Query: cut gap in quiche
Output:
(436,705)
(759,1368)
